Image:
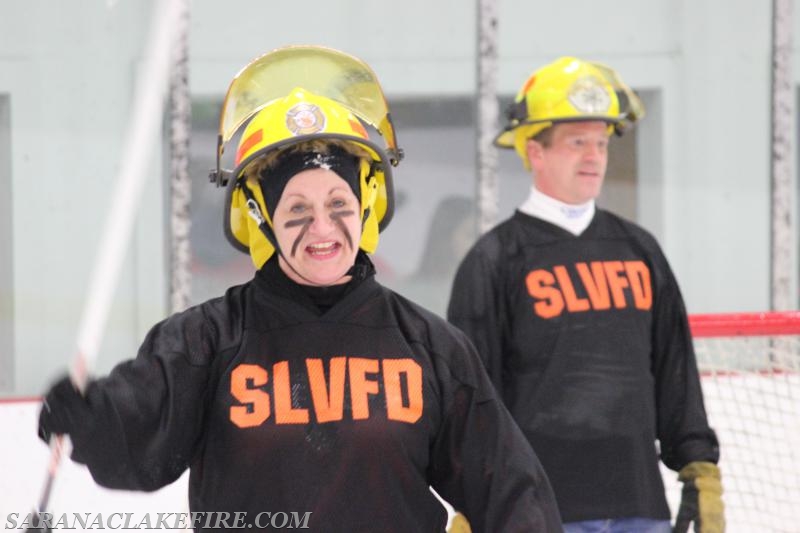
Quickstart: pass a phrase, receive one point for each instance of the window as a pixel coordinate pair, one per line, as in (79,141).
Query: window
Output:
(434,221)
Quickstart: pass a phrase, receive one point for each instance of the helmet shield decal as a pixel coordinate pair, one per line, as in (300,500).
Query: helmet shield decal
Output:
(588,96)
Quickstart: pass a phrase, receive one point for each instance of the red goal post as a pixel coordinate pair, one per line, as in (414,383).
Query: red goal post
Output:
(765,342)
(745,324)
(750,368)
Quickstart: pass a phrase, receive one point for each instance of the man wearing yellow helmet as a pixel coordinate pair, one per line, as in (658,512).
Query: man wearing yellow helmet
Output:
(581,325)
(311,392)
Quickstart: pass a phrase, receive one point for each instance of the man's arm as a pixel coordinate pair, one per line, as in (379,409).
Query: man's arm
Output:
(476,309)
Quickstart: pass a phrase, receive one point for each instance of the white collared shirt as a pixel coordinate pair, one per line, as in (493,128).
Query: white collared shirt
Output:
(573,218)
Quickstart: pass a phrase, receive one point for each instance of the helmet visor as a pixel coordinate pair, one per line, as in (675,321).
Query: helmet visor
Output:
(631,108)
(323,71)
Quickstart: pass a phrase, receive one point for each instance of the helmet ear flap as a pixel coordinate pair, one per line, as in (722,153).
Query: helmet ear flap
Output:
(369,218)
(369,186)
(240,228)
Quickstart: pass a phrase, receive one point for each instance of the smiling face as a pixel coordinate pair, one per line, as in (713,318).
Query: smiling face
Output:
(572,165)
(318,228)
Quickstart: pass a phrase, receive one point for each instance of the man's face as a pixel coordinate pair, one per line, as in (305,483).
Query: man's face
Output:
(572,168)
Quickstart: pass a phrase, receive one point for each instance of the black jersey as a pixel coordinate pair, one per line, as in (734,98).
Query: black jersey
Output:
(349,415)
(587,340)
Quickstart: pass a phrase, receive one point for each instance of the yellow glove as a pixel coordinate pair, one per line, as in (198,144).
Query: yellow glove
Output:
(701,500)
(459,525)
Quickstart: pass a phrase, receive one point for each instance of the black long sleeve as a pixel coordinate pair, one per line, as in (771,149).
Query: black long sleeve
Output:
(587,341)
(346,414)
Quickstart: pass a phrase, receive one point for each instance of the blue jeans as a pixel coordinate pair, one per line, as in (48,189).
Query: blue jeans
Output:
(623,525)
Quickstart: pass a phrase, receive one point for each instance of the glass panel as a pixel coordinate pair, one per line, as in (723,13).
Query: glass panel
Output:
(619,192)
(215,264)
(434,222)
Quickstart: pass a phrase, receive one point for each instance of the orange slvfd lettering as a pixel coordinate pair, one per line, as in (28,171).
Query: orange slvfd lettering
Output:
(399,380)
(591,286)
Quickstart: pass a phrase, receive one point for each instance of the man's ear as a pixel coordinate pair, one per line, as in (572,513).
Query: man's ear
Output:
(534,150)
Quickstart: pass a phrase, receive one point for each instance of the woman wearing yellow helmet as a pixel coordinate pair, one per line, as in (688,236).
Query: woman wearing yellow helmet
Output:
(311,394)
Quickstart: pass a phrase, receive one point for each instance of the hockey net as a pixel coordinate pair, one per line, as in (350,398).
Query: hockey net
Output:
(750,367)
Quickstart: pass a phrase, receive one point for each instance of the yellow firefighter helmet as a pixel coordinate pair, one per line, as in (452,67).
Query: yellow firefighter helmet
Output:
(568,90)
(297,94)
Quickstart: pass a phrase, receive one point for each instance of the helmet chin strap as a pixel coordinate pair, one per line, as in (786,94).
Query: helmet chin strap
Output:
(254,211)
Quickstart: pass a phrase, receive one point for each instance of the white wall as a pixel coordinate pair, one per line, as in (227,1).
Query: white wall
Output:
(68,68)
(416,47)
(705,188)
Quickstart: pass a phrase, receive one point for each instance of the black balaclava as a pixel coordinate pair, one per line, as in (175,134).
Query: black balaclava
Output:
(274,178)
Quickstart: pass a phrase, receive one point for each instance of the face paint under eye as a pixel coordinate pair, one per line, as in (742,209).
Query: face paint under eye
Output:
(298,222)
(337,217)
(306,223)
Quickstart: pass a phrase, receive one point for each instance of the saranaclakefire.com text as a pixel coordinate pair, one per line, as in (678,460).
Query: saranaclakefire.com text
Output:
(180,521)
